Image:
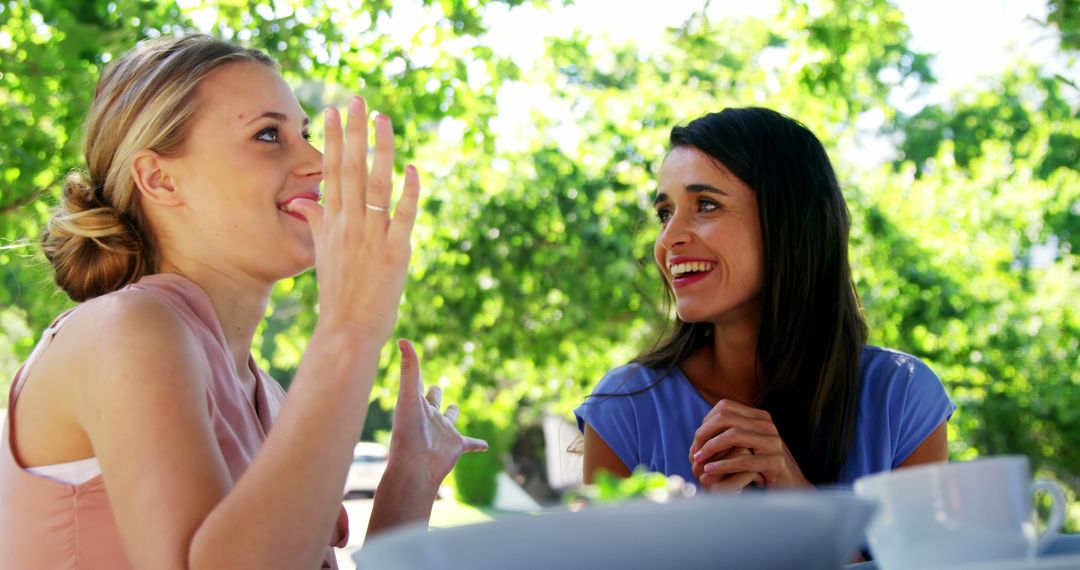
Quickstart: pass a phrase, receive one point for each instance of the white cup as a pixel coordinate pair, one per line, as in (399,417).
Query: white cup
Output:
(950,513)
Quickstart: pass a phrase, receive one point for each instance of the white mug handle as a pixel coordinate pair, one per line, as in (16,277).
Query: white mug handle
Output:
(1057,511)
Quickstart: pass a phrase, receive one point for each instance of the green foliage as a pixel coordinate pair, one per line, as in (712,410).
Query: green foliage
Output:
(641,484)
(532,271)
(474,476)
(992,181)
(1030,112)
(1065,16)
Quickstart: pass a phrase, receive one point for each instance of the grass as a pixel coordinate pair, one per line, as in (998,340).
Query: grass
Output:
(448,513)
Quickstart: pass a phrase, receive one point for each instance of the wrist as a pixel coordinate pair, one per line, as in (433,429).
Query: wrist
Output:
(401,498)
(353,333)
(410,479)
(346,341)
(343,362)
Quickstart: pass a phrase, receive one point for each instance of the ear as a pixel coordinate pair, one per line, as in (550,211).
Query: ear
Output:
(150,173)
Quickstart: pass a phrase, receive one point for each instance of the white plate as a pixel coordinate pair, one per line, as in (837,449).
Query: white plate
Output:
(809,530)
(1061,562)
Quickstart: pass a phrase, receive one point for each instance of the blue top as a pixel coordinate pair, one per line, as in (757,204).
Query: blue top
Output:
(901,402)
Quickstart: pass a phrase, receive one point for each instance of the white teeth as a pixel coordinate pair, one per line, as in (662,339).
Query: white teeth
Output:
(680,269)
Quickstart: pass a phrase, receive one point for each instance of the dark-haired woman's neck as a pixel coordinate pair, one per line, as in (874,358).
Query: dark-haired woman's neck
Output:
(727,367)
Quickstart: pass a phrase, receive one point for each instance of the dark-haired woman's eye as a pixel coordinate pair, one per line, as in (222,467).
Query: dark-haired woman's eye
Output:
(663,214)
(306,135)
(707,205)
(269,134)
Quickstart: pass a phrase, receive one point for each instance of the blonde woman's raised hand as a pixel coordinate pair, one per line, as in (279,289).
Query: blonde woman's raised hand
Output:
(362,242)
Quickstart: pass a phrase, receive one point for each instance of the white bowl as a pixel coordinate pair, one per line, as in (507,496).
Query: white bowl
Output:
(808,530)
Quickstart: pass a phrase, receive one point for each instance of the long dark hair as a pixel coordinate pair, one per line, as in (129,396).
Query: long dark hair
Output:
(812,329)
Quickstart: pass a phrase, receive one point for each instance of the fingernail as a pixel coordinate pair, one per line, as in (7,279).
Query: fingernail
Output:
(709,468)
(356,103)
(697,456)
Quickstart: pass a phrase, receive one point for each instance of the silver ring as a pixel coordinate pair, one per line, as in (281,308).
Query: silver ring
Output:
(375,208)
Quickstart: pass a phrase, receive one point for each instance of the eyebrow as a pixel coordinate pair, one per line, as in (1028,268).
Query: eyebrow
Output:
(696,188)
(279,116)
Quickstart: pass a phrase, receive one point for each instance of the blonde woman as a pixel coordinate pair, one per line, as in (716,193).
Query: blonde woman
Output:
(139,430)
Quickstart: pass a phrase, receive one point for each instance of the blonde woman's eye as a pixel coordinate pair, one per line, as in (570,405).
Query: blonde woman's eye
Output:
(663,214)
(269,134)
(306,135)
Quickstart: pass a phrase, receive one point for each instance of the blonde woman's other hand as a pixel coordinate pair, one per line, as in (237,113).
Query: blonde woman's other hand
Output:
(424,447)
(424,439)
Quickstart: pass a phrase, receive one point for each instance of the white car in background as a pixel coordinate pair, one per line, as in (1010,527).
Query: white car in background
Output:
(369,463)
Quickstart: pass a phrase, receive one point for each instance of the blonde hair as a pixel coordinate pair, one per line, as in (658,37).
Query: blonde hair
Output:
(98,239)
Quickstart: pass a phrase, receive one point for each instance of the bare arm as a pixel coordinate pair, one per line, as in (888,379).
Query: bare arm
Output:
(142,402)
(302,466)
(599,456)
(933,449)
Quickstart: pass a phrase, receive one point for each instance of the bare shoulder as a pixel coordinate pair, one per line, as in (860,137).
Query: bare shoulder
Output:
(126,339)
(115,357)
(124,323)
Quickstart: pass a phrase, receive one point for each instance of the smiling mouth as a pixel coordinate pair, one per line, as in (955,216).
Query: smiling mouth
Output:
(313,196)
(680,270)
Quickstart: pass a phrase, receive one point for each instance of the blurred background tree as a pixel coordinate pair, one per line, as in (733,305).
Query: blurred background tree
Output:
(532,274)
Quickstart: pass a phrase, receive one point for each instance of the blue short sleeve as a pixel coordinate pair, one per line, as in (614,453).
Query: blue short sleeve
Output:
(924,407)
(905,401)
(647,417)
(614,418)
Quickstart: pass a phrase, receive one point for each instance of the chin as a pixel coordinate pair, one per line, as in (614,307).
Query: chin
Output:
(301,251)
(301,264)
(306,259)
(290,262)
(691,314)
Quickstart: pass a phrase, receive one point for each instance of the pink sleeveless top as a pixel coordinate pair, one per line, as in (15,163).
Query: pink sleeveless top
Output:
(48,524)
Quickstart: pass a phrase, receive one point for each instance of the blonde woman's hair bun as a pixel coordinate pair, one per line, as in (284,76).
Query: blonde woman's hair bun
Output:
(92,248)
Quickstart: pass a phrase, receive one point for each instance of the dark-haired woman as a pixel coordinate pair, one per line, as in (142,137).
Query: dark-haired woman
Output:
(765,378)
